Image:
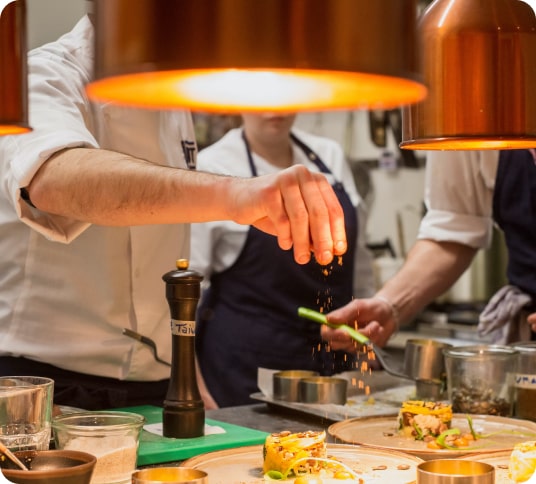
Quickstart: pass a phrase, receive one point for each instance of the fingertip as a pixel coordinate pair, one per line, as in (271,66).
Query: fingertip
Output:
(340,247)
(302,258)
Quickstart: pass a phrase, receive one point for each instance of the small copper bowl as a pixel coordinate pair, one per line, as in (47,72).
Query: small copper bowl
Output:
(452,471)
(51,467)
(285,384)
(322,389)
(176,475)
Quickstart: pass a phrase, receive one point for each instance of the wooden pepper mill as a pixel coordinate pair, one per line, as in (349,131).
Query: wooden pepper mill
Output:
(184,412)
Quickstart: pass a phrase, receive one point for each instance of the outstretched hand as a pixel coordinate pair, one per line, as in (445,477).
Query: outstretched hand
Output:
(299,207)
(373,317)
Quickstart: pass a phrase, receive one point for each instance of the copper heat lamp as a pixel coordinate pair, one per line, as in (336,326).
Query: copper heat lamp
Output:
(256,55)
(478,58)
(13,68)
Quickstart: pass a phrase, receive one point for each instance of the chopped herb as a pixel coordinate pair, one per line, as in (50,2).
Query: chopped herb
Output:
(471,428)
(420,433)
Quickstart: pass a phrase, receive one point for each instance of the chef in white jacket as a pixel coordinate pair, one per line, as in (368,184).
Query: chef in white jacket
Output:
(94,207)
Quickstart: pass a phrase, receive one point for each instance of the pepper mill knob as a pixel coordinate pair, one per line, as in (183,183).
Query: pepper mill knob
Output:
(184,413)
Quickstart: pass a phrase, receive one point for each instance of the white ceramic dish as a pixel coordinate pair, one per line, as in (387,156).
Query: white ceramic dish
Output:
(500,434)
(244,465)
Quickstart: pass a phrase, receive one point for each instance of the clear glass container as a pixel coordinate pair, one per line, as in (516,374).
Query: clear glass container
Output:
(112,436)
(525,380)
(481,379)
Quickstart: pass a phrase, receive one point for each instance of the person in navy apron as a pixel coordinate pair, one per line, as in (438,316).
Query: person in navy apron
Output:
(247,318)
(467,193)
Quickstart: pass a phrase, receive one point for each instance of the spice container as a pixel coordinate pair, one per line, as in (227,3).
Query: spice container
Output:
(113,437)
(525,380)
(480,379)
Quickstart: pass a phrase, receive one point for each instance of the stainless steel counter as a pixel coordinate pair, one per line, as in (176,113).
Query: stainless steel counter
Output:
(264,417)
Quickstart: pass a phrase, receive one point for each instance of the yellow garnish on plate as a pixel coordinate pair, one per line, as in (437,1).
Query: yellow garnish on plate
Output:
(522,464)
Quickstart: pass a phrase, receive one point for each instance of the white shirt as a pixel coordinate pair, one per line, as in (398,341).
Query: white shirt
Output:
(67,288)
(217,245)
(459,197)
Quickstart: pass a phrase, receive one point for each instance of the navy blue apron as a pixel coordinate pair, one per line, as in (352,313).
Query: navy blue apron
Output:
(248,317)
(514,210)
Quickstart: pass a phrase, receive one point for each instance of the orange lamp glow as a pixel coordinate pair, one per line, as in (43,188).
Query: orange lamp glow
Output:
(478,58)
(13,68)
(256,55)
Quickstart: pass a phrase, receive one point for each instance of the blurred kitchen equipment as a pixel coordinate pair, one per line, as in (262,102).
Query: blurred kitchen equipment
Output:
(25,412)
(322,389)
(378,127)
(285,384)
(385,268)
(51,467)
(112,436)
(525,380)
(425,363)
(480,379)
(170,475)
(184,412)
(389,363)
(453,471)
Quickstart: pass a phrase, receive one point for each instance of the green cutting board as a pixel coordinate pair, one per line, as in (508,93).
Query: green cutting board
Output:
(156,449)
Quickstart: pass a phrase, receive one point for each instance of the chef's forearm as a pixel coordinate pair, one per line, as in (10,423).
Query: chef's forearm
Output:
(430,270)
(109,188)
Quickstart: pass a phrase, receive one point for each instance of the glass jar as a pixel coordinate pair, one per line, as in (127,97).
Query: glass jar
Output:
(525,380)
(480,379)
(111,436)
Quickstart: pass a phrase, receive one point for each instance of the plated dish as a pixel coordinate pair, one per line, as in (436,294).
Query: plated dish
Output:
(498,434)
(244,465)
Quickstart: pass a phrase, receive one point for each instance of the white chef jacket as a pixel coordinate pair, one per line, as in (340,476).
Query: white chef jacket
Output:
(217,245)
(459,197)
(67,288)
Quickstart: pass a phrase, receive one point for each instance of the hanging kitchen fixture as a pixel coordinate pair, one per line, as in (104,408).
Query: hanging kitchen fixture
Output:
(13,68)
(256,55)
(478,58)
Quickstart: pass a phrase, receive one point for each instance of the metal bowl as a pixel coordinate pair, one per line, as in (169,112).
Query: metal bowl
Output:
(285,384)
(51,467)
(424,360)
(322,389)
(161,475)
(453,471)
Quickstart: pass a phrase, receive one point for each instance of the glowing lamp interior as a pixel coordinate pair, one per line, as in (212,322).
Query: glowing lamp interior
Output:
(280,90)
(468,143)
(6,129)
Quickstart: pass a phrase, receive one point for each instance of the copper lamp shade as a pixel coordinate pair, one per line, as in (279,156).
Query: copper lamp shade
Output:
(256,55)
(478,58)
(13,68)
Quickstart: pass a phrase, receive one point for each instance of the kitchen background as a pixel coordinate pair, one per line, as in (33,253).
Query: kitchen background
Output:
(391,180)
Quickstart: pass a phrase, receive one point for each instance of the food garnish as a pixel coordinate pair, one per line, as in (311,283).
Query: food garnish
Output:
(419,418)
(301,454)
(522,463)
(330,467)
(286,453)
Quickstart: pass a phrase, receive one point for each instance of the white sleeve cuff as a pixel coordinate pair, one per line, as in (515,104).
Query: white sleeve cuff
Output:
(444,226)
